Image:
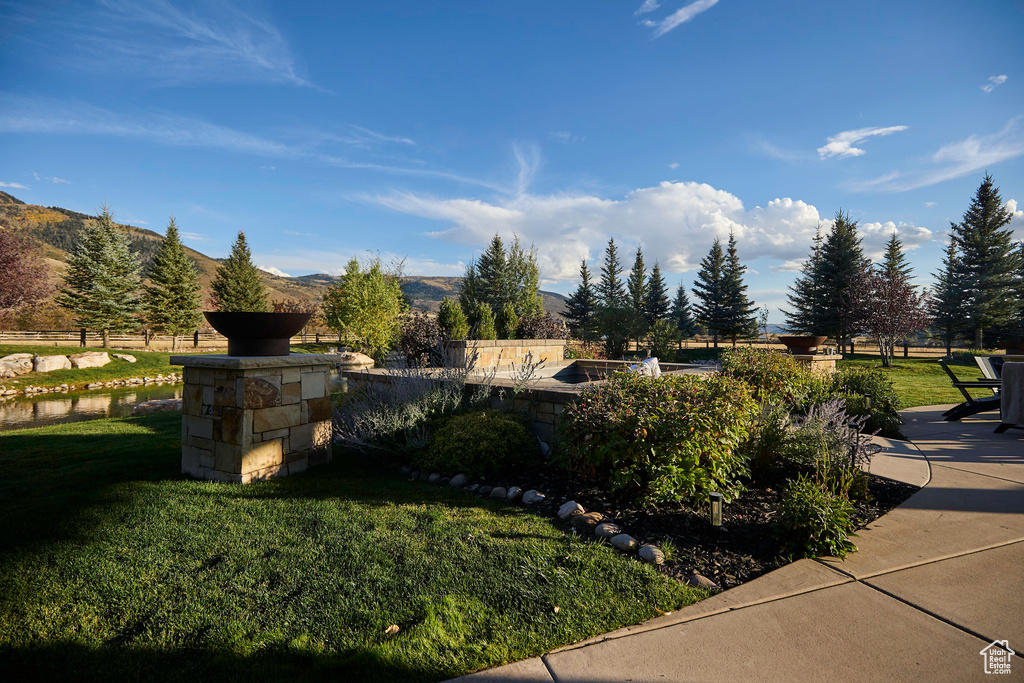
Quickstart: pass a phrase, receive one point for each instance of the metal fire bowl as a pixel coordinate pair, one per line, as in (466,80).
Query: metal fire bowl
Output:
(257,334)
(803,345)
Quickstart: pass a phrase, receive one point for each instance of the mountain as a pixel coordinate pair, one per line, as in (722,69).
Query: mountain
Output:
(58,231)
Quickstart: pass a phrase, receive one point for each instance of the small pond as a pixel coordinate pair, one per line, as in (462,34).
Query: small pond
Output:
(74,406)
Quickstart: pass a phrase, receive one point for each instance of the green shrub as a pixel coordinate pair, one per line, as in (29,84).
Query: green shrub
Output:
(814,521)
(670,439)
(481,442)
(664,336)
(824,440)
(852,384)
(776,377)
(765,446)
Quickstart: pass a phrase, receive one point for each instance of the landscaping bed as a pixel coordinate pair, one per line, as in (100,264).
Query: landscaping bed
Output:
(742,549)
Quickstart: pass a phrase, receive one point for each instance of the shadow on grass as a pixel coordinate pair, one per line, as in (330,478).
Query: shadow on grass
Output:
(63,660)
(50,475)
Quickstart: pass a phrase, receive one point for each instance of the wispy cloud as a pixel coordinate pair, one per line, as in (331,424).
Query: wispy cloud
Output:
(648,6)
(930,204)
(14,186)
(528,158)
(193,237)
(767,148)
(52,178)
(38,115)
(954,160)
(177,42)
(679,17)
(566,138)
(674,165)
(842,145)
(994,81)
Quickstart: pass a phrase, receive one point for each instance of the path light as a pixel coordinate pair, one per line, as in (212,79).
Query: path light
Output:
(867,400)
(716,509)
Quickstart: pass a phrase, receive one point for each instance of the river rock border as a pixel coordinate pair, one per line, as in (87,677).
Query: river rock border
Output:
(581,521)
(7,391)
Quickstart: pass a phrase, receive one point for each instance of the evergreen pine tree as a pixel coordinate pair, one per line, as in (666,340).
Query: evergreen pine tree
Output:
(452,320)
(740,315)
(174,296)
(988,261)
(581,306)
(636,284)
(709,289)
(682,315)
(947,299)
(610,290)
(658,304)
(101,286)
(525,277)
(508,322)
(494,282)
(238,285)
(470,292)
(484,326)
(806,297)
(843,270)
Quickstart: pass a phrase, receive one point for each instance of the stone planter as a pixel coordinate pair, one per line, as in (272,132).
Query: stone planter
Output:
(257,334)
(804,345)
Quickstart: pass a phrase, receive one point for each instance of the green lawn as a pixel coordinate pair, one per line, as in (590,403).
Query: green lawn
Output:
(114,567)
(919,381)
(148,364)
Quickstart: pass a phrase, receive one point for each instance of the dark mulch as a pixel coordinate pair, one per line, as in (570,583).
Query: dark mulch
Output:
(743,548)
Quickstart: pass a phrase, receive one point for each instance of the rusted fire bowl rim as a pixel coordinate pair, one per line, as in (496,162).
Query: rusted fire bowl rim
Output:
(806,345)
(257,334)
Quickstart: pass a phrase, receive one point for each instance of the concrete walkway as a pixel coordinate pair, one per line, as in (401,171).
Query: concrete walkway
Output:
(934,581)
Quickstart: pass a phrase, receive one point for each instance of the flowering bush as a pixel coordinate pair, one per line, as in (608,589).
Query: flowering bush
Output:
(670,439)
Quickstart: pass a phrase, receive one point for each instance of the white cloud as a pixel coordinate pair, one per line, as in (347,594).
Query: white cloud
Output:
(791,266)
(768,148)
(994,81)
(955,160)
(842,145)
(875,236)
(679,17)
(59,181)
(675,222)
(930,204)
(193,237)
(274,271)
(648,6)
(14,186)
(1016,220)
(674,165)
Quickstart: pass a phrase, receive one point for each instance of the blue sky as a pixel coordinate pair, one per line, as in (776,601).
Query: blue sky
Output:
(418,130)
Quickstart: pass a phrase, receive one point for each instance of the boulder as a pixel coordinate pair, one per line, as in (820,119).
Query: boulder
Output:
(458,480)
(89,359)
(50,363)
(485,490)
(352,359)
(17,366)
(434,478)
(587,521)
(569,509)
(607,530)
(499,492)
(6,371)
(514,493)
(699,581)
(533,496)
(126,357)
(652,554)
(623,542)
(16,356)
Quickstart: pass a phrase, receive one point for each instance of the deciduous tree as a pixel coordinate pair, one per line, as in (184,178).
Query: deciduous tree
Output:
(366,304)
(23,276)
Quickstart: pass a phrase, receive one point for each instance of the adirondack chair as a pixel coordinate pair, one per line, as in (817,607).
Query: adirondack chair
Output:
(971,405)
(991,367)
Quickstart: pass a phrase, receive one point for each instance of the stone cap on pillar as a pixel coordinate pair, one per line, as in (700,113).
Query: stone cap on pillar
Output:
(225,362)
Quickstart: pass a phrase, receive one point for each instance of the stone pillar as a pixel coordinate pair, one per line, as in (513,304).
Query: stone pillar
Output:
(245,419)
(824,364)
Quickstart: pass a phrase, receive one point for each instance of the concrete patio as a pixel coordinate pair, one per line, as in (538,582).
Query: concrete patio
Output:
(933,583)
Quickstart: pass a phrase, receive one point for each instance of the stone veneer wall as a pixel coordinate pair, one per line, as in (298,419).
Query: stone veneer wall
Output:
(247,419)
(505,352)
